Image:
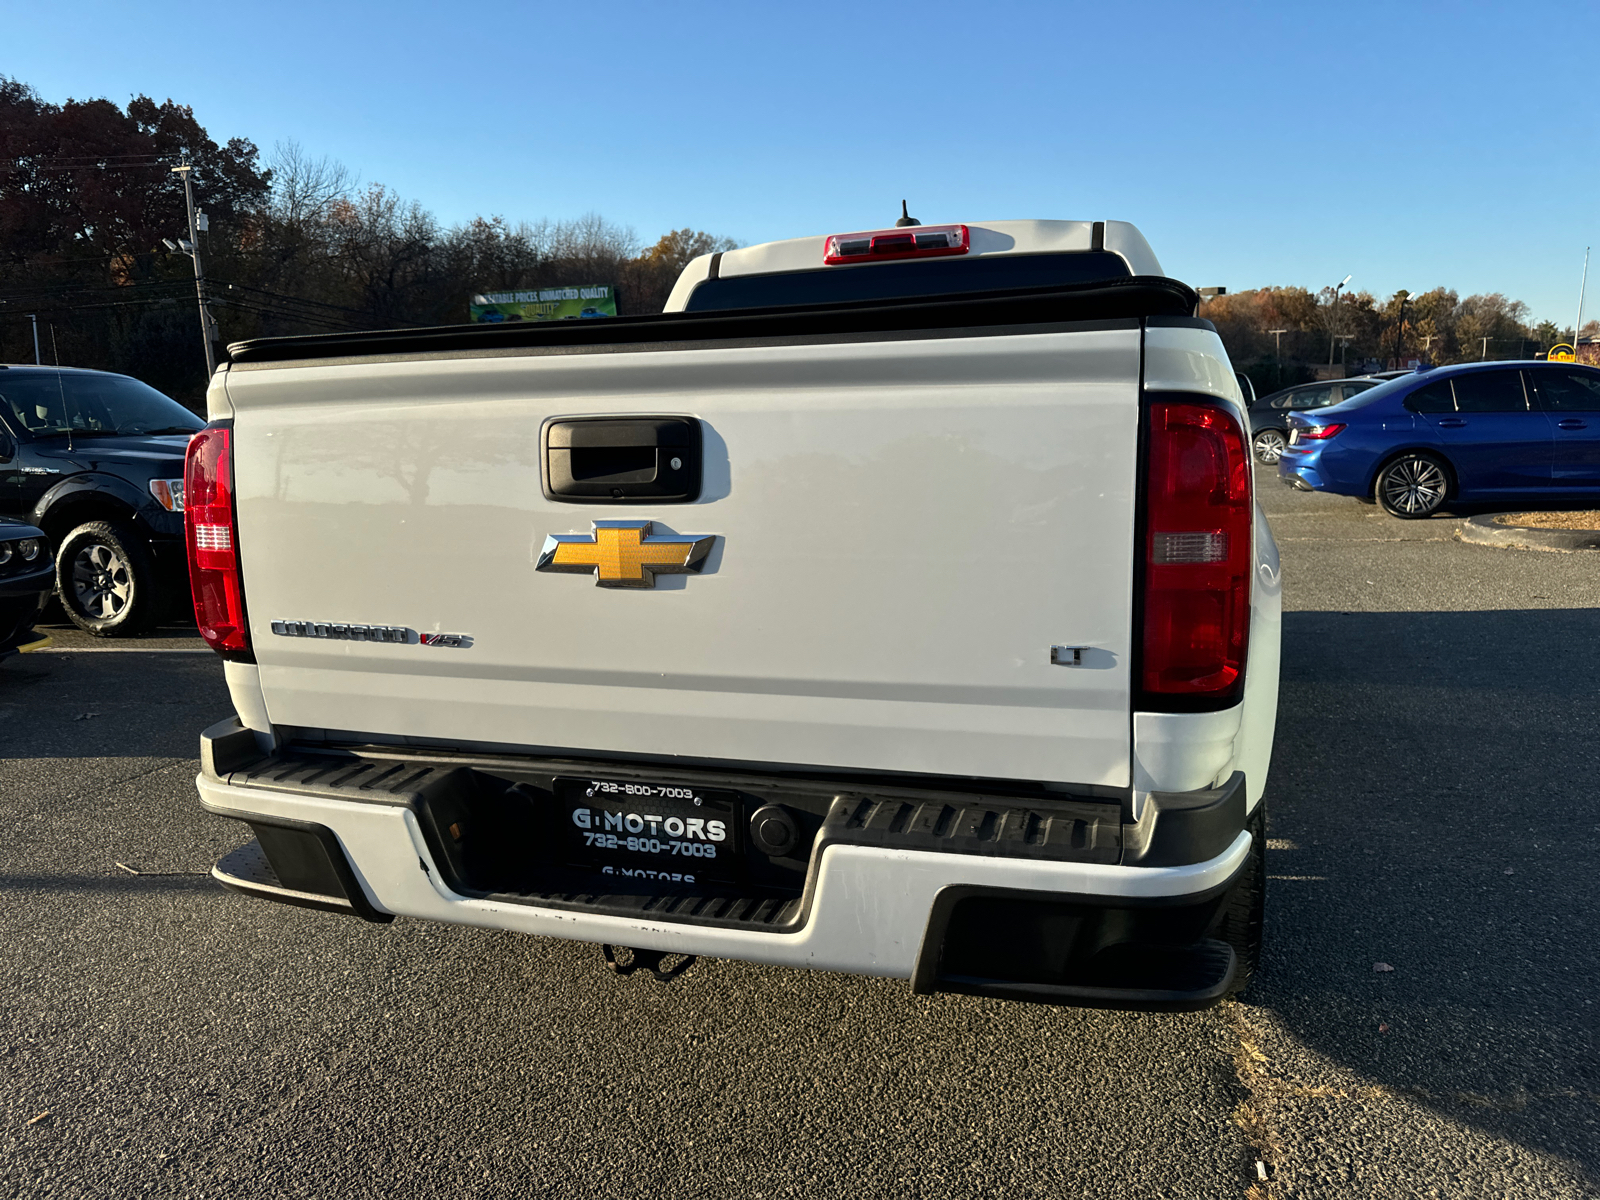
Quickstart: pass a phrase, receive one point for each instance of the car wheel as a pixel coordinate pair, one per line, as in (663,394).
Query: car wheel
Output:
(1243,915)
(1413,486)
(1269,444)
(106,580)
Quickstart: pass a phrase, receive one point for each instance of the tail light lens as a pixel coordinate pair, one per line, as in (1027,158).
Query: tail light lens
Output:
(1316,433)
(212,536)
(1197,557)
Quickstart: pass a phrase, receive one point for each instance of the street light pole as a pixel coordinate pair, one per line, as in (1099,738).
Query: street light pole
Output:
(35,318)
(1582,288)
(207,325)
(1333,334)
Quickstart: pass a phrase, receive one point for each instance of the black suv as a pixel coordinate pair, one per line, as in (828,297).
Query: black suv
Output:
(96,461)
(1269,430)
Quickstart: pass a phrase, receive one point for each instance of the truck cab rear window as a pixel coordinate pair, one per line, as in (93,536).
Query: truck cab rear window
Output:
(904,280)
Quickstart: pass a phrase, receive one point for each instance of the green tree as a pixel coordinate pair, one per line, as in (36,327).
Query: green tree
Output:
(1547,333)
(1349,315)
(1434,314)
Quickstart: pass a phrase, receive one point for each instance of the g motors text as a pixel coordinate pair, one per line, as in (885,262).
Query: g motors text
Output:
(690,828)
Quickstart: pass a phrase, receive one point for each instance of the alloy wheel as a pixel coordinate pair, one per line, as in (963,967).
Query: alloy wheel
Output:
(102,584)
(1269,445)
(1414,485)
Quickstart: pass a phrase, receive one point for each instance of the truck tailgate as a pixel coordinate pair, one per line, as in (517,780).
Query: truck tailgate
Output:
(904,525)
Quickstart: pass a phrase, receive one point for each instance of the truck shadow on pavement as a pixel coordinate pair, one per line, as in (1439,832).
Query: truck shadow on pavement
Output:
(1433,834)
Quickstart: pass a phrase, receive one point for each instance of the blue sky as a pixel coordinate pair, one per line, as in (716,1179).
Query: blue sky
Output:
(1410,145)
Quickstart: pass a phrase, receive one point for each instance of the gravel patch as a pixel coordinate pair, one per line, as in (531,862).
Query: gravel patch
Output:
(1589,520)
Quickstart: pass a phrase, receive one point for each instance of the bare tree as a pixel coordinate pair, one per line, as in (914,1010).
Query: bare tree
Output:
(305,189)
(385,249)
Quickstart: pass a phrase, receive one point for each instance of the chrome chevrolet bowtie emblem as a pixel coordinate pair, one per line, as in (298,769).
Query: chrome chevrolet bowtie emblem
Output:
(623,554)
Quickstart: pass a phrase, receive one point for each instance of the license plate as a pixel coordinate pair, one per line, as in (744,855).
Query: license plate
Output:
(663,833)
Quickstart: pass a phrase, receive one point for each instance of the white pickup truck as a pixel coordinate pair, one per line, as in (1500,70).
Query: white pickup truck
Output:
(896,603)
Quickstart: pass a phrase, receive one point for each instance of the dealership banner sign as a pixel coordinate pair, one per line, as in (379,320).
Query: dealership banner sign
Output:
(544,304)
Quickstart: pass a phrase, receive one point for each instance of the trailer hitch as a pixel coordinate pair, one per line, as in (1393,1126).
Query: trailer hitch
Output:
(650,960)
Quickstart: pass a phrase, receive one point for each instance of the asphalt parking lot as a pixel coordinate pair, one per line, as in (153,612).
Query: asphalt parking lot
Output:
(1431,808)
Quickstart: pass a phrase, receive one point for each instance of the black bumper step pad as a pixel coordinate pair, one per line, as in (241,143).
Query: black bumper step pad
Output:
(249,872)
(764,914)
(1068,831)
(1129,976)
(372,780)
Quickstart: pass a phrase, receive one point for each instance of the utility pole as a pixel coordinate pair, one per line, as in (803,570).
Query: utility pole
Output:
(1277,338)
(1400,332)
(1485,353)
(35,318)
(208,327)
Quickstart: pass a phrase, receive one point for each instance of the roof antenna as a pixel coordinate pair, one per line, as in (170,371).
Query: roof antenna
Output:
(905,217)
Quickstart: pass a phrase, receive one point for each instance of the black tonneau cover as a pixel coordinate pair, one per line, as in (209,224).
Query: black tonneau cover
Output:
(1136,297)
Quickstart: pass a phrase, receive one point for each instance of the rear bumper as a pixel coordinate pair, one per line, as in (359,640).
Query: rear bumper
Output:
(1297,469)
(876,900)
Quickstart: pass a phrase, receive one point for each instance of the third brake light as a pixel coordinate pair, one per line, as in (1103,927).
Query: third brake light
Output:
(922,241)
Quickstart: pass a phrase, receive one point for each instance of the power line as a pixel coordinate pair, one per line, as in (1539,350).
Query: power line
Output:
(245,287)
(219,286)
(284,312)
(98,157)
(16,168)
(265,304)
(303,318)
(75,161)
(103,304)
(64,259)
(126,292)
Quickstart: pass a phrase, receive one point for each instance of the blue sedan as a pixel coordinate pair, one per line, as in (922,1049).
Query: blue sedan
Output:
(1478,433)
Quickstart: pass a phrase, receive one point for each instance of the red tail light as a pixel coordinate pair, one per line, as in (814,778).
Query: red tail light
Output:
(1315,433)
(918,241)
(1197,557)
(213,540)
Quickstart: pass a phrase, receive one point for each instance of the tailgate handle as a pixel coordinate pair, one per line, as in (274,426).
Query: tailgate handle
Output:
(621,460)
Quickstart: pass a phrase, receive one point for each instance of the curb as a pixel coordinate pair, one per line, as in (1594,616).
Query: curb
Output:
(1486,531)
